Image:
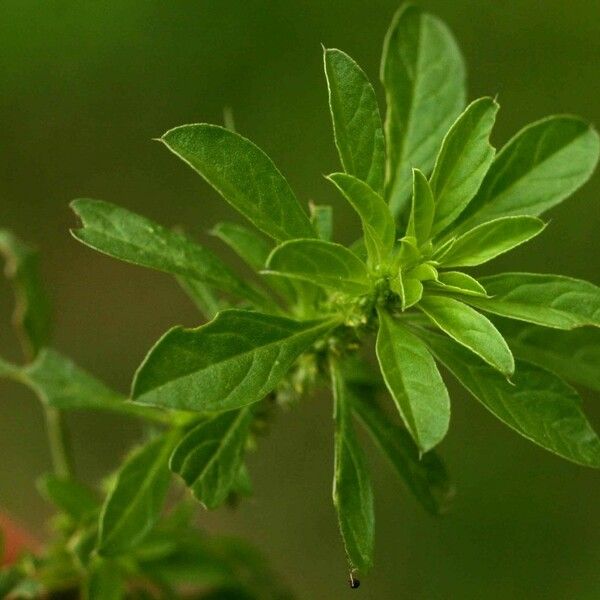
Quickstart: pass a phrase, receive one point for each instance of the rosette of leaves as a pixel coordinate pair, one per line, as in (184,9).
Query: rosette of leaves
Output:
(434,199)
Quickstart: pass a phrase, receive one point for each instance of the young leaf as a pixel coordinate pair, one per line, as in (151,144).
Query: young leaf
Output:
(540,167)
(537,404)
(423,74)
(321,217)
(489,240)
(425,475)
(572,355)
(423,209)
(60,384)
(459,283)
(357,125)
(470,329)
(414,382)
(463,161)
(68,495)
(133,506)
(323,263)
(548,300)
(244,175)
(352,492)
(32,310)
(233,361)
(378,224)
(209,457)
(124,235)
(410,290)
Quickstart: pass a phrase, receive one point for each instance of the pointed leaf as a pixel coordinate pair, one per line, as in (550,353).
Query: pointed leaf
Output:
(357,125)
(470,329)
(321,217)
(548,300)
(378,225)
(130,237)
(491,239)
(425,475)
(572,355)
(323,263)
(461,283)
(133,506)
(352,492)
(244,175)
(233,361)
(423,74)
(209,457)
(537,404)
(540,167)
(414,382)
(464,158)
(423,209)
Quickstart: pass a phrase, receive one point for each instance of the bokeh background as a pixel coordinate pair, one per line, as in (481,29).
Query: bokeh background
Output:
(85,86)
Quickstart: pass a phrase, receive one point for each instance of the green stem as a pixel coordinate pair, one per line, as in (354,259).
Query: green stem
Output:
(58,441)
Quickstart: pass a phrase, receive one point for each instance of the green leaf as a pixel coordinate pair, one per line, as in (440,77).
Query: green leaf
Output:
(537,404)
(460,283)
(541,166)
(134,504)
(423,209)
(548,300)
(489,240)
(244,175)
(573,355)
(464,159)
(60,384)
(352,491)
(357,125)
(323,263)
(132,238)
(378,225)
(321,217)
(414,382)
(425,475)
(31,316)
(233,361)
(410,290)
(423,74)
(203,297)
(209,457)
(470,329)
(68,495)
(104,582)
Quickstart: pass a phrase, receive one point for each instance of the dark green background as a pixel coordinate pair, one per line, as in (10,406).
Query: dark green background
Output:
(84,86)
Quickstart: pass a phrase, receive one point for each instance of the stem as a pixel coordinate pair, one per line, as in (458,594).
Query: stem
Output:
(58,441)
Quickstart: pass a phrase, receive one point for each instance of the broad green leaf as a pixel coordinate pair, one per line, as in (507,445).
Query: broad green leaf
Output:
(209,457)
(60,384)
(424,475)
(321,217)
(352,491)
(414,382)
(470,329)
(244,175)
(104,582)
(31,316)
(423,74)
(68,495)
(548,300)
(323,263)
(423,209)
(541,166)
(378,224)
(233,361)
(573,355)
(357,125)
(536,404)
(130,237)
(489,240)
(457,282)
(133,506)
(464,159)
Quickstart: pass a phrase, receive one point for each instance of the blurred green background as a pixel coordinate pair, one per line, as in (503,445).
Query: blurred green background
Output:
(85,86)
